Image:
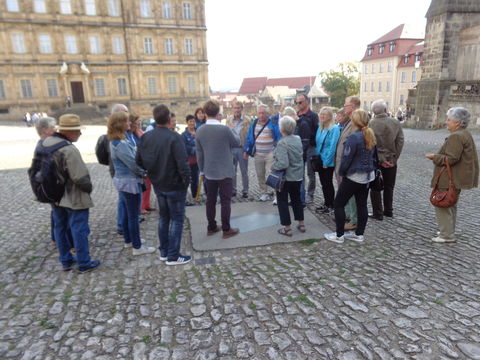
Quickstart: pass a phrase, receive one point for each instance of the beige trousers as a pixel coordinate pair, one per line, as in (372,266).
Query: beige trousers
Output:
(263,165)
(446,220)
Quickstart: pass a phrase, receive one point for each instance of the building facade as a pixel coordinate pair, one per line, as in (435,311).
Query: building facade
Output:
(100,52)
(390,67)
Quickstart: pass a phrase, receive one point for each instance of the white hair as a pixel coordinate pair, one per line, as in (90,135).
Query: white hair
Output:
(379,107)
(119,108)
(263,106)
(460,114)
(290,111)
(287,125)
(45,123)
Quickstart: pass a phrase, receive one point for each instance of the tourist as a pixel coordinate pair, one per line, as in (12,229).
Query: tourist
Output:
(189,140)
(200,118)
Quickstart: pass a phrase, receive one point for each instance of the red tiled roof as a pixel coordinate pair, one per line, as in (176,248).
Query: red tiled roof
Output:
(414,50)
(401,48)
(392,35)
(252,85)
(293,82)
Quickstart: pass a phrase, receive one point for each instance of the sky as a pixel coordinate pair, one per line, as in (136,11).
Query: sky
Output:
(284,38)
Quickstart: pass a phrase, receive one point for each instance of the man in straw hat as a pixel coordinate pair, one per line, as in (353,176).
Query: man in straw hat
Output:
(73,208)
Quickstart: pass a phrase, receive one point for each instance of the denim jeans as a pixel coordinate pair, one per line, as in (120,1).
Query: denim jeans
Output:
(130,204)
(120,214)
(171,205)
(52,232)
(77,221)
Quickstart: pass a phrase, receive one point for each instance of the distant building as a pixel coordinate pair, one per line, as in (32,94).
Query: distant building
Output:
(390,67)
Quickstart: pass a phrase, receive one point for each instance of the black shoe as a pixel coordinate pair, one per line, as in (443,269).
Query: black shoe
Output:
(234,194)
(84,269)
(120,232)
(388,214)
(245,195)
(376,217)
(188,203)
(142,219)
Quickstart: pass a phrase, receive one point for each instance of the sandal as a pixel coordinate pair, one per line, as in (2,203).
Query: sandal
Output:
(301,228)
(285,232)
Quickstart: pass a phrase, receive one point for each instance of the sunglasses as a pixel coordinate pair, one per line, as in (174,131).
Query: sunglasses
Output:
(298,102)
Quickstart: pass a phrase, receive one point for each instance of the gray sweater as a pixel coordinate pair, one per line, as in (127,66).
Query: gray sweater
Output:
(214,145)
(288,155)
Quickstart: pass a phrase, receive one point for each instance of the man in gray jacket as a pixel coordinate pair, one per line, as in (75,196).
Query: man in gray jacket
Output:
(389,134)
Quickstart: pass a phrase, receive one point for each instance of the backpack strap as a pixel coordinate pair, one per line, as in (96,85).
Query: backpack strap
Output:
(53,148)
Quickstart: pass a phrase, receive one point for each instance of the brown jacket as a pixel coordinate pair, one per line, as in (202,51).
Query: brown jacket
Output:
(389,135)
(462,156)
(346,131)
(246,121)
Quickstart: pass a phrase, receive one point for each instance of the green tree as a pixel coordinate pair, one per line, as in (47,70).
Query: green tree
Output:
(341,83)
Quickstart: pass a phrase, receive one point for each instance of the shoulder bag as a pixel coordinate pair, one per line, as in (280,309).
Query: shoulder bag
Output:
(316,160)
(276,179)
(444,199)
(253,149)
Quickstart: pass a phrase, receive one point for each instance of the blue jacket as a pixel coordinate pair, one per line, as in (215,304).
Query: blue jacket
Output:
(356,157)
(189,141)
(122,155)
(250,141)
(329,139)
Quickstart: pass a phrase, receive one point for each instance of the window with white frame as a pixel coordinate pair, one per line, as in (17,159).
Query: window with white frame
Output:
(148,46)
(189,46)
(39,6)
(404,77)
(417,57)
(388,87)
(122,86)
(390,66)
(169,46)
(414,76)
(365,87)
(152,85)
(117,45)
(365,106)
(113,8)
(373,68)
(191,85)
(167,10)
(26,87)
(145,9)
(379,86)
(372,87)
(380,68)
(381,48)
(18,43)
(12,5)
(65,6)
(2,90)
(406,58)
(94,41)
(392,46)
(45,43)
(187,12)
(369,51)
(52,88)
(387,105)
(172,85)
(90,7)
(71,44)
(99,87)
(401,99)
(365,69)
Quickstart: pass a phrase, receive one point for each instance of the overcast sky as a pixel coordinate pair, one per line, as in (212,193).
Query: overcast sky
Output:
(284,38)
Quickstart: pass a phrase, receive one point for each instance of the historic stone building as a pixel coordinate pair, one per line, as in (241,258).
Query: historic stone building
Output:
(451,67)
(99,52)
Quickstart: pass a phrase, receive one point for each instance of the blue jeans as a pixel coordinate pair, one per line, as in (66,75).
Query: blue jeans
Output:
(120,214)
(52,231)
(130,204)
(77,221)
(171,205)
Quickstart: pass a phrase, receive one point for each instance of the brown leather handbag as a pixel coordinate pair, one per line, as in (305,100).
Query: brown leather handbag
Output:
(444,199)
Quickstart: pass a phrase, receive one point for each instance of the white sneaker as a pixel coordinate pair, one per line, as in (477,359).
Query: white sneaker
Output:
(354,237)
(162,258)
(333,237)
(264,197)
(181,260)
(274,201)
(438,239)
(143,250)
(129,245)
(308,199)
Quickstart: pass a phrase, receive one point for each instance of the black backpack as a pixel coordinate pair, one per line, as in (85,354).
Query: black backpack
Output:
(102,150)
(43,175)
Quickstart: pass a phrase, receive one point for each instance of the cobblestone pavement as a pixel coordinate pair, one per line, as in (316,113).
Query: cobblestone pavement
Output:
(396,296)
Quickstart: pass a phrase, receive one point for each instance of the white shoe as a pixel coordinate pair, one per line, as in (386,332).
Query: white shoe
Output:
(333,237)
(143,250)
(129,245)
(438,239)
(354,237)
(308,199)
(274,201)
(162,258)
(264,197)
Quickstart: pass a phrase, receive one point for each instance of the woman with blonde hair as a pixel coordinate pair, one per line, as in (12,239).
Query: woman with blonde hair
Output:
(357,169)
(127,180)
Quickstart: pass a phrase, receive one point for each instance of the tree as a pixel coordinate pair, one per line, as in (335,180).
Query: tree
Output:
(341,83)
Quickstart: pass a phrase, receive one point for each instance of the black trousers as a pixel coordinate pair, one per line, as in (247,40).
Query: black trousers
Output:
(326,179)
(389,176)
(347,189)
(291,188)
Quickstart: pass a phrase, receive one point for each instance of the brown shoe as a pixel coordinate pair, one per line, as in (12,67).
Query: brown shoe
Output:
(350,226)
(214,231)
(229,233)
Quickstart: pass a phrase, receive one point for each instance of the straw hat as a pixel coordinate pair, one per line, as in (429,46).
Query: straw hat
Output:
(69,122)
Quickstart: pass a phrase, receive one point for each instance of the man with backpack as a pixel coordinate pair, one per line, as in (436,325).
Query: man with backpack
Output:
(72,210)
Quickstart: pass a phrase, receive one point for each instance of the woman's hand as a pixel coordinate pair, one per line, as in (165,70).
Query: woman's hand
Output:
(429,156)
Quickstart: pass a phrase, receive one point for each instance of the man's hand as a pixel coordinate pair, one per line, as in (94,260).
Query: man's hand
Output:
(386,164)
(245,156)
(429,156)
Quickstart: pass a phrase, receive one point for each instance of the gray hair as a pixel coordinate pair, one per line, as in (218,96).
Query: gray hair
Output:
(119,108)
(263,106)
(460,114)
(290,111)
(287,125)
(379,107)
(45,123)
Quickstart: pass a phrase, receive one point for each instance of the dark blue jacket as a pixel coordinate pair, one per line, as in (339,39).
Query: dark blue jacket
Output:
(189,141)
(356,157)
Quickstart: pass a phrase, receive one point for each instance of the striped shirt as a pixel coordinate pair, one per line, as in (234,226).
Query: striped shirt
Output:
(264,142)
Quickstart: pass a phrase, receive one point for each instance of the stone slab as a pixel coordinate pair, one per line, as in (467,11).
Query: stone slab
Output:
(258,223)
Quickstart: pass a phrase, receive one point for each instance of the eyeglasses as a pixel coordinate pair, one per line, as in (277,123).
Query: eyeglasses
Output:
(298,102)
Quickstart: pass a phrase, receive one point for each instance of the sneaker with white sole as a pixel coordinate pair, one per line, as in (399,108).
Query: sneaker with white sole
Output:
(354,237)
(181,260)
(333,237)
(129,245)
(309,199)
(162,258)
(264,197)
(274,202)
(143,250)
(438,239)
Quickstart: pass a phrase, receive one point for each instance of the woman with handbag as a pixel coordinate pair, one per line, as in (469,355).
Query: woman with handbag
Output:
(357,169)
(456,164)
(327,137)
(288,156)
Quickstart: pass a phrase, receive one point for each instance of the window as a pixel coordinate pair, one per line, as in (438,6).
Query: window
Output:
(379,86)
(45,44)
(172,85)
(90,8)
(148,46)
(392,46)
(404,76)
(365,87)
(52,88)
(12,6)
(380,68)
(369,51)
(381,48)
(167,10)
(191,85)
(152,86)
(365,69)
(70,44)
(373,69)
(65,6)
(414,76)
(113,8)
(122,86)
(401,100)
(94,44)
(99,87)
(117,45)
(387,105)
(26,86)
(390,66)
(169,46)
(417,57)
(187,14)
(189,46)
(388,87)
(18,43)
(365,105)
(2,90)
(39,6)
(372,87)
(145,10)
(405,59)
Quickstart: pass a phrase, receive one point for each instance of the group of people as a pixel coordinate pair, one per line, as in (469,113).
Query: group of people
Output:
(353,148)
